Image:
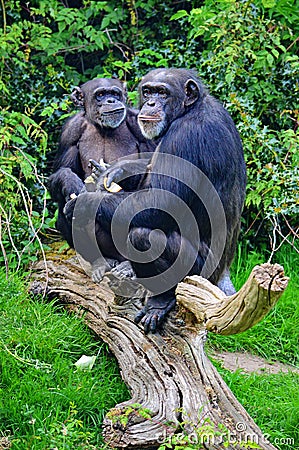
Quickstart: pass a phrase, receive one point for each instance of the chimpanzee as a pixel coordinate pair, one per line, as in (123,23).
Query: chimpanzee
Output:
(106,129)
(184,216)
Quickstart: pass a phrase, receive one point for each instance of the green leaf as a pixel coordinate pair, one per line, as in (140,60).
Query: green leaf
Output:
(270,59)
(179,15)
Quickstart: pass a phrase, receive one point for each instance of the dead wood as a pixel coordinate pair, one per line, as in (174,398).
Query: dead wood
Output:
(168,372)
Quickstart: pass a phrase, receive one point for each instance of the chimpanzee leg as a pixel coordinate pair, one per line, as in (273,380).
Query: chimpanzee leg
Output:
(177,250)
(91,233)
(107,249)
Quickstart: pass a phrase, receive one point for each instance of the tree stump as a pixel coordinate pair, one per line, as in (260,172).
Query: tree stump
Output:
(168,373)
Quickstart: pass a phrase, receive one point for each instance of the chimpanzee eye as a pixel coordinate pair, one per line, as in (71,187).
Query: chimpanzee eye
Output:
(99,95)
(163,92)
(116,94)
(146,92)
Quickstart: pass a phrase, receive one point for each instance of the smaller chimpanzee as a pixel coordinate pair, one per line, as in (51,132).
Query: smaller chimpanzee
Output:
(106,129)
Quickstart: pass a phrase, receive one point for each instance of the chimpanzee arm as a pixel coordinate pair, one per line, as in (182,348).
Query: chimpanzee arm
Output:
(63,183)
(68,151)
(68,175)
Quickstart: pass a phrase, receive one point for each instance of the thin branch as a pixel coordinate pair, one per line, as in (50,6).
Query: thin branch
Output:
(293,43)
(7,221)
(3,249)
(24,192)
(117,44)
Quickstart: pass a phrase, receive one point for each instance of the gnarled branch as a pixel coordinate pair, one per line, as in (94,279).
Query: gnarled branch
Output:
(168,372)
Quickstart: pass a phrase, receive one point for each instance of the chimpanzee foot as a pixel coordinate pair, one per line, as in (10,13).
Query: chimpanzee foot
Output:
(122,281)
(100,267)
(154,313)
(123,270)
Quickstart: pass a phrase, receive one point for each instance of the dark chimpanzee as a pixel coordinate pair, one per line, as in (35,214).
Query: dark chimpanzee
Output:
(184,215)
(106,129)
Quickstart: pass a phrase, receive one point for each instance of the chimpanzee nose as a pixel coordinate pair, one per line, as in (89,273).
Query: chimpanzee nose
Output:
(151,103)
(111,100)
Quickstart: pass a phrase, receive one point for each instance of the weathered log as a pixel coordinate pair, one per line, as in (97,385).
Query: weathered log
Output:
(168,373)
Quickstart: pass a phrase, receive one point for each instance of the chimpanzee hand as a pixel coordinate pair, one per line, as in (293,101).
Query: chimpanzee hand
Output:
(98,168)
(68,209)
(154,313)
(126,173)
(72,187)
(63,184)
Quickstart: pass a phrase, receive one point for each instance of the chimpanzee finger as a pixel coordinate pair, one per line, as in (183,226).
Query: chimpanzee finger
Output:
(154,322)
(139,316)
(148,323)
(97,166)
(115,176)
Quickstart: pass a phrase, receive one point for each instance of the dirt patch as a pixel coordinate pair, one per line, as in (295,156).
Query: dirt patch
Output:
(251,363)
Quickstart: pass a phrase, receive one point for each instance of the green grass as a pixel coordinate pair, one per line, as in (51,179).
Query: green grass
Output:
(45,401)
(276,337)
(271,400)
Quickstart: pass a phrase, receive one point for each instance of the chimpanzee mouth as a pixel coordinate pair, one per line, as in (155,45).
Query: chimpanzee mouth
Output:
(113,112)
(112,118)
(149,118)
(151,126)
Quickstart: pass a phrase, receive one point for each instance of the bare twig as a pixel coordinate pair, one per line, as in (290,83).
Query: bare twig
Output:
(3,249)
(7,222)
(26,200)
(277,230)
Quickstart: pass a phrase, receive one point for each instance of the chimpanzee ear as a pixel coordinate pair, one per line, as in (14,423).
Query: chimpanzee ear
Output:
(191,91)
(77,97)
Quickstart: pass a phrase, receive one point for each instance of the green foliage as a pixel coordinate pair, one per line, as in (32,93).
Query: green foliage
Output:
(246,52)
(124,415)
(19,215)
(249,60)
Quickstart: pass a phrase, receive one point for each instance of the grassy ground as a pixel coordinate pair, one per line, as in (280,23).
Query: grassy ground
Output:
(276,337)
(271,400)
(47,403)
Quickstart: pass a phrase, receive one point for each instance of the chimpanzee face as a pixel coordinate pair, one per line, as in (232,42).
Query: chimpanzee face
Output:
(104,101)
(161,102)
(107,107)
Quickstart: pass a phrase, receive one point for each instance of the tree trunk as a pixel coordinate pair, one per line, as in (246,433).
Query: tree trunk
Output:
(168,373)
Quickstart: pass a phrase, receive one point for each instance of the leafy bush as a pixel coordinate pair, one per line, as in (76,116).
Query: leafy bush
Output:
(45,48)
(249,61)
(245,52)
